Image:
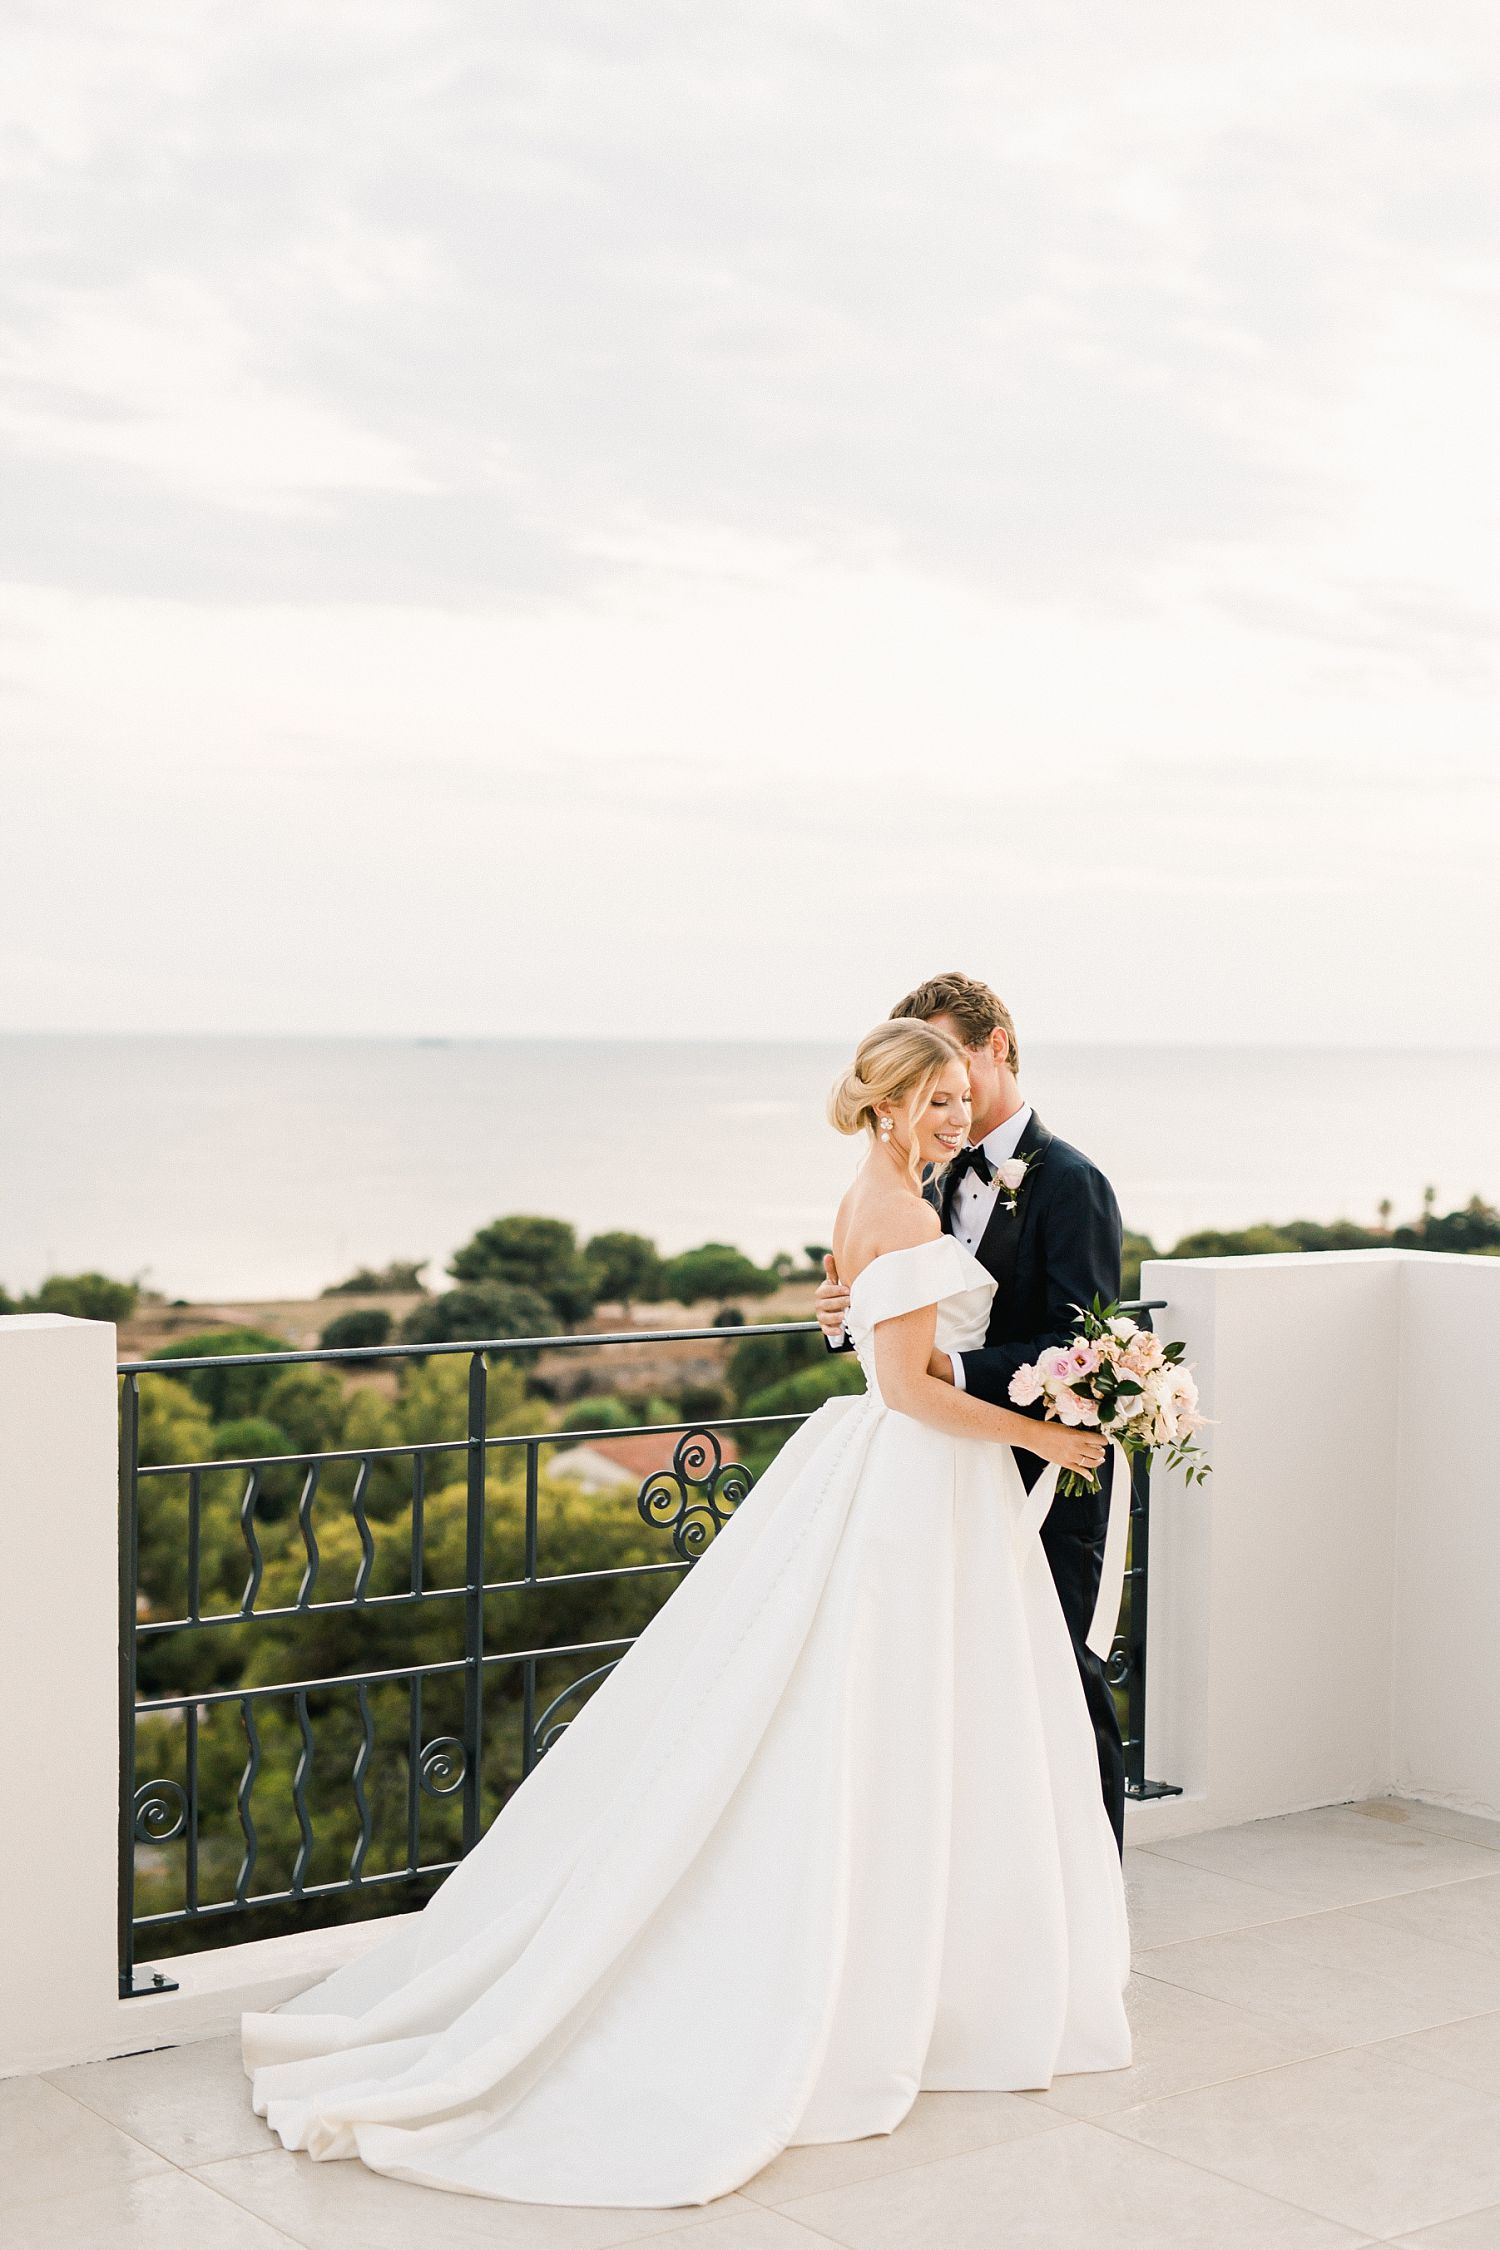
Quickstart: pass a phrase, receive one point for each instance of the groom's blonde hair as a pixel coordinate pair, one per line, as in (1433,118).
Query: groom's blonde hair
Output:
(974,1008)
(890,1062)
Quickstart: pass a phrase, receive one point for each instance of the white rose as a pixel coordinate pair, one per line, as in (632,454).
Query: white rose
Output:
(1010,1172)
(1122,1328)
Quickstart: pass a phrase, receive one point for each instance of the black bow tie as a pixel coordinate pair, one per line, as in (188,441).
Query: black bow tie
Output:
(971,1160)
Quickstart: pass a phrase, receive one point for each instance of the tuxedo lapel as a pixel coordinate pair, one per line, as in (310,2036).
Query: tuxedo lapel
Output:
(1000,1243)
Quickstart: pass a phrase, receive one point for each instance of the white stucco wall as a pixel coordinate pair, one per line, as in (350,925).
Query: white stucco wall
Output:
(1324,1612)
(58,1684)
(1445,1687)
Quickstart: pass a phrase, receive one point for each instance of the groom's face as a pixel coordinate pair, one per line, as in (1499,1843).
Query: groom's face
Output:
(985,1068)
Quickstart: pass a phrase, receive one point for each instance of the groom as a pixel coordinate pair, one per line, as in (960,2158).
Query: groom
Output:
(1050,1236)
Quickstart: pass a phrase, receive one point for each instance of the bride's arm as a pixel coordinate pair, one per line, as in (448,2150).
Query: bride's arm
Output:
(903,1347)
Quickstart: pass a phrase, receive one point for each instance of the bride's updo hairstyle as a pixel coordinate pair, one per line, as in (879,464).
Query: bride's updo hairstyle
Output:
(898,1058)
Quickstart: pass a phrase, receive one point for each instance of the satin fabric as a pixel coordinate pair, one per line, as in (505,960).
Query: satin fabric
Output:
(829,1834)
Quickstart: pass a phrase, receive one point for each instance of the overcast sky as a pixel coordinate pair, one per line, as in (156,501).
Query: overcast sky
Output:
(676,520)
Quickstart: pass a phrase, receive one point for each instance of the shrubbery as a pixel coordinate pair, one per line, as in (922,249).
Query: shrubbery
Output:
(357,1331)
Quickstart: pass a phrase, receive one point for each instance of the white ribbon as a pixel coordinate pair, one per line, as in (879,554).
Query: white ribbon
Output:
(1101,1633)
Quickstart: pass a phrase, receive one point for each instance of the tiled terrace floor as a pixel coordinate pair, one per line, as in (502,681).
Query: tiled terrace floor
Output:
(1317,2019)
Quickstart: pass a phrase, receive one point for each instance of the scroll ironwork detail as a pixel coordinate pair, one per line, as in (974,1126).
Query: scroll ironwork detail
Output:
(696,1496)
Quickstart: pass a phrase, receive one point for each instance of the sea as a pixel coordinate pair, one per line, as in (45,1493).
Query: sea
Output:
(262,1168)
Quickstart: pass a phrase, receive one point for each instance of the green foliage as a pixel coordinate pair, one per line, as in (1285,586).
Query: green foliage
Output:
(8,1303)
(477,1311)
(715,1270)
(351,1331)
(1341,1234)
(803,1393)
(1134,1249)
(1476,1228)
(310,1404)
(762,1360)
(1247,1242)
(626,1268)
(401,1278)
(252,1436)
(703,1402)
(604,1413)
(535,1254)
(225,1391)
(84,1296)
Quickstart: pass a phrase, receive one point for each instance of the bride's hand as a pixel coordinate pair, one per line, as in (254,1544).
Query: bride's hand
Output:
(1082,1451)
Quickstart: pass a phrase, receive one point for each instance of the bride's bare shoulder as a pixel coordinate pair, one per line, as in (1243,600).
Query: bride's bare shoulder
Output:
(909,1221)
(873,1223)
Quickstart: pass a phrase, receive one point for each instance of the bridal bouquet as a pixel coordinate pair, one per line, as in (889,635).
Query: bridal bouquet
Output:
(1118,1379)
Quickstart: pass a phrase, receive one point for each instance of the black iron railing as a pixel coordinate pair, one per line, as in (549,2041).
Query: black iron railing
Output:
(411,1733)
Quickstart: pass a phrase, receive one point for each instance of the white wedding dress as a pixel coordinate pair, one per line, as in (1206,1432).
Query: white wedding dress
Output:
(831,1833)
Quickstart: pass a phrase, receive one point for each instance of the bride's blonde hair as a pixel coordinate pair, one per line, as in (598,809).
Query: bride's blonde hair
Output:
(899,1057)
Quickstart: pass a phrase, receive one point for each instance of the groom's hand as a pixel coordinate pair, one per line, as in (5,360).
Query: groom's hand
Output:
(941,1366)
(831,1304)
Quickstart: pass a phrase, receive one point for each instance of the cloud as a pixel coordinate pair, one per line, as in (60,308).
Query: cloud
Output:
(1044,312)
(718,499)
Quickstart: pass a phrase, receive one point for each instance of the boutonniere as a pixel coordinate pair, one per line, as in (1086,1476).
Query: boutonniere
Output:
(1010,1177)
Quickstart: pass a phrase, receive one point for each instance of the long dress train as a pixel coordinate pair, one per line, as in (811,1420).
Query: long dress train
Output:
(829,1834)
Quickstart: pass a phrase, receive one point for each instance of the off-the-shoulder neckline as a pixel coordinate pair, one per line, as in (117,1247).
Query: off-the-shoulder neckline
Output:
(918,1250)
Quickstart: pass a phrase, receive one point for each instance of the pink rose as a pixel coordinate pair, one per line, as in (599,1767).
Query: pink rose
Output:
(1025,1386)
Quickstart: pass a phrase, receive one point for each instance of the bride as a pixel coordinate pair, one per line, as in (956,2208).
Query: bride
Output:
(831,1832)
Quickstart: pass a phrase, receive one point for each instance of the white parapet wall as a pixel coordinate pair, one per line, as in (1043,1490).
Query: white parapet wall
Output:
(1324,1612)
(59,1734)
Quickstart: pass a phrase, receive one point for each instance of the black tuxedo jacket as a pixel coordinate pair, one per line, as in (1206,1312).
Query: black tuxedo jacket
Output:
(1059,1248)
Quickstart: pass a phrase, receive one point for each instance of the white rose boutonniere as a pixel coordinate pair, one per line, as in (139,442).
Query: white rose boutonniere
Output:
(1010,1176)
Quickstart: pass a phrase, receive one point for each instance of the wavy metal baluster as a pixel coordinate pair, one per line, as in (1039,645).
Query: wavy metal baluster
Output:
(242,1799)
(299,1795)
(252,1542)
(309,1536)
(362,1759)
(362,1525)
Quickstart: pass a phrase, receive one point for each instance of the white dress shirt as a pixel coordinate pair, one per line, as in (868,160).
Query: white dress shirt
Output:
(974,1203)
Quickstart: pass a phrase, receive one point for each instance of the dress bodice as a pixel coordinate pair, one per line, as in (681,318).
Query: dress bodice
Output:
(941,1273)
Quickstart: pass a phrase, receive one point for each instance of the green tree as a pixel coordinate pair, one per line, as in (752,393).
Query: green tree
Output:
(478,1311)
(401,1278)
(1133,1250)
(225,1391)
(1475,1228)
(311,1405)
(840,1377)
(715,1270)
(626,1267)
(762,1360)
(85,1296)
(531,1253)
(607,1412)
(352,1331)
(1247,1242)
